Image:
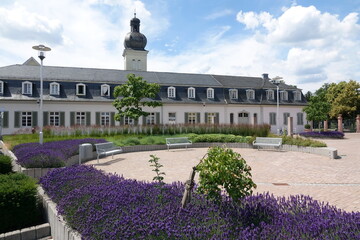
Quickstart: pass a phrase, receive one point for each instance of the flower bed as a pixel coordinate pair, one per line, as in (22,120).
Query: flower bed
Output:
(107,206)
(327,134)
(50,154)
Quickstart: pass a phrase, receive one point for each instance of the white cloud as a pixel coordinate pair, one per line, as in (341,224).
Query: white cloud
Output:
(219,14)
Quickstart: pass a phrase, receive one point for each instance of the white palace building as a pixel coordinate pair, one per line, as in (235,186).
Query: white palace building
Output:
(83,96)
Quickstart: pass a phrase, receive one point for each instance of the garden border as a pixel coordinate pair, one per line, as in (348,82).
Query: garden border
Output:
(59,228)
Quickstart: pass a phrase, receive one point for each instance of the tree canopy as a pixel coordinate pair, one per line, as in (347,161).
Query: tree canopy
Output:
(132,96)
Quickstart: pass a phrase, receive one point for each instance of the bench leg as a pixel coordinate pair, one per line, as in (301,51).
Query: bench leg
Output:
(98,158)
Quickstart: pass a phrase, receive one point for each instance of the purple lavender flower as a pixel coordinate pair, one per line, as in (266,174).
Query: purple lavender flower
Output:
(327,134)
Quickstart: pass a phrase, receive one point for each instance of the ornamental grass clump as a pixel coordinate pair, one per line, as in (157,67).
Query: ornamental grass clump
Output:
(50,154)
(107,206)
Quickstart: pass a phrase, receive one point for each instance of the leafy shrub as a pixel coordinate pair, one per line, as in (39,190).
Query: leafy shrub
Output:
(19,207)
(299,141)
(50,154)
(131,141)
(5,164)
(219,138)
(107,206)
(327,134)
(224,168)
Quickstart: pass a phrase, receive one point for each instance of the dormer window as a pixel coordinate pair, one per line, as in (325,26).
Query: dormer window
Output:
(1,87)
(80,89)
(105,90)
(284,95)
(171,92)
(27,88)
(233,94)
(54,88)
(297,95)
(210,93)
(250,94)
(270,94)
(191,92)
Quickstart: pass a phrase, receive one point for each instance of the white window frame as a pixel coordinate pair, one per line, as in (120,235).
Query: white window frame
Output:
(250,94)
(128,121)
(211,118)
(210,93)
(105,119)
(172,117)
(270,94)
(233,94)
(191,118)
(1,87)
(191,92)
(26,119)
(151,119)
(78,88)
(54,119)
(27,88)
(54,88)
(171,92)
(105,90)
(284,95)
(297,96)
(80,118)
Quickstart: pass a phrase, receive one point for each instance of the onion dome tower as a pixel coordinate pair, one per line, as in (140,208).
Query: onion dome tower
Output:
(135,55)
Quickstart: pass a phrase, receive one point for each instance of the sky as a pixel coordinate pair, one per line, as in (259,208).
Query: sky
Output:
(306,43)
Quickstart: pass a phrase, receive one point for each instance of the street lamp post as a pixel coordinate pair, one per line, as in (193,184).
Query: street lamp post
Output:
(277,80)
(41,54)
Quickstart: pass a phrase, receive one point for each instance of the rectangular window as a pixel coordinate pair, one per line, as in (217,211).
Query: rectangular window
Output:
(26,119)
(300,118)
(211,118)
(27,88)
(150,119)
(105,90)
(171,92)
(210,93)
(80,89)
(105,119)
(272,118)
(128,121)
(191,118)
(191,92)
(1,87)
(172,117)
(270,95)
(286,115)
(284,95)
(297,96)
(54,89)
(54,118)
(80,118)
(250,94)
(233,94)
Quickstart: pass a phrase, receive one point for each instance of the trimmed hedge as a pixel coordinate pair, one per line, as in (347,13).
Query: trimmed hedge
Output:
(5,164)
(19,206)
(225,138)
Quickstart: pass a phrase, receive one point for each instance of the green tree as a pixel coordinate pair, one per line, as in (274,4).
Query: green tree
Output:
(317,109)
(344,98)
(224,169)
(132,96)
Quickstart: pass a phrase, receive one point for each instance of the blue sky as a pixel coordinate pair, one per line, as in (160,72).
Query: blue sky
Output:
(307,43)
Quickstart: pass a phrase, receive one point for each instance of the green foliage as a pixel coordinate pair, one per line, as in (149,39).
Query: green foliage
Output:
(5,164)
(155,163)
(317,109)
(307,126)
(19,206)
(344,98)
(225,138)
(133,95)
(224,168)
(304,142)
(131,141)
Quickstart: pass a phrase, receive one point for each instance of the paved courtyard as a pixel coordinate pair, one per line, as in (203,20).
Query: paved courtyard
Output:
(280,173)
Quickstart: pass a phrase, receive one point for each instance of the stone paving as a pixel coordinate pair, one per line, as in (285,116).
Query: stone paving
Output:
(336,181)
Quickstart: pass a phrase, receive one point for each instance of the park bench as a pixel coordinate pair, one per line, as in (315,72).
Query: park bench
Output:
(107,149)
(267,142)
(179,141)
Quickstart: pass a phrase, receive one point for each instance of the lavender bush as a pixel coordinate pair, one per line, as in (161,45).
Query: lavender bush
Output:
(107,206)
(50,154)
(327,134)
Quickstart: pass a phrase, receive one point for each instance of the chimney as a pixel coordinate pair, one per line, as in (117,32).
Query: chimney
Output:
(265,76)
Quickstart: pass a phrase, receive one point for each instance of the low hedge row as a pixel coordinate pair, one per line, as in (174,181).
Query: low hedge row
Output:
(19,206)
(5,164)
